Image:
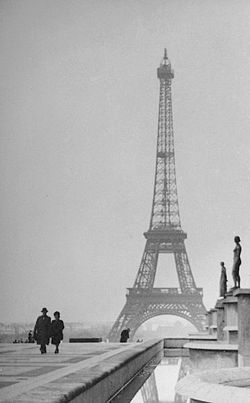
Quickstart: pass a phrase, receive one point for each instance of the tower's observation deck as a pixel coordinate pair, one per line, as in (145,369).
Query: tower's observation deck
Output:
(165,72)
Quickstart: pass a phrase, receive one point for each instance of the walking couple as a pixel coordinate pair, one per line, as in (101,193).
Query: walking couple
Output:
(45,329)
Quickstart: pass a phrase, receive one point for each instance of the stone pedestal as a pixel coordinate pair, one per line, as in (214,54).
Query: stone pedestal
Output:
(212,322)
(243,297)
(231,319)
(207,314)
(212,355)
(220,319)
(209,320)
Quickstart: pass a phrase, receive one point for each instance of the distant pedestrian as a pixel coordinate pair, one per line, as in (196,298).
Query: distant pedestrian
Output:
(42,330)
(56,331)
(124,335)
(30,337)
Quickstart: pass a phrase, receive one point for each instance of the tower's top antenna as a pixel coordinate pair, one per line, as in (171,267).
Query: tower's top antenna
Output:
(165,59)
(165,71)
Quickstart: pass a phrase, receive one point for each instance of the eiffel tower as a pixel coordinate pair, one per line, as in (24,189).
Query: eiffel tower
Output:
(165,235)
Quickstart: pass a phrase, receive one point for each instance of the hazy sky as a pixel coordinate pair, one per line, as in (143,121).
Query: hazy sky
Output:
(79,108)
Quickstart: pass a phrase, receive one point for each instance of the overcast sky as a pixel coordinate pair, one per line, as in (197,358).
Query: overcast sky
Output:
(79,109)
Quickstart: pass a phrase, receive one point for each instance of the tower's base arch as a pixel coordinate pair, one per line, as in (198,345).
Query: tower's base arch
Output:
(141,307)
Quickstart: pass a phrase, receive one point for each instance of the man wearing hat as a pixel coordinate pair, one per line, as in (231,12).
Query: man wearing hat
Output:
(42,330)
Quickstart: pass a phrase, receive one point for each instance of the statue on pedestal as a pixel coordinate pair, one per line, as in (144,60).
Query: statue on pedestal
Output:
(236,262)
(223,280)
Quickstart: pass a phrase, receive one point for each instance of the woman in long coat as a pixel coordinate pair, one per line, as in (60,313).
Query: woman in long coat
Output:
(56,331)
(42,330)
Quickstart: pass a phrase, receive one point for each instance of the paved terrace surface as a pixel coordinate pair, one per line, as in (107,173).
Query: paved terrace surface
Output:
(25,373)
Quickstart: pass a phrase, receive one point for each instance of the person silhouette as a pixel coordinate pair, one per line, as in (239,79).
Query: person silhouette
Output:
(42,330)
(124,335)
(30,337)
(56,331)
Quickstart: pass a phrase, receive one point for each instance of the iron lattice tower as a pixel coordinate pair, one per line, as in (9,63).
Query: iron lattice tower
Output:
(165,235)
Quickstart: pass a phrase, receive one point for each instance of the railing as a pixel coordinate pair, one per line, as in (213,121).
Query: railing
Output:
(158,291)
(166,290)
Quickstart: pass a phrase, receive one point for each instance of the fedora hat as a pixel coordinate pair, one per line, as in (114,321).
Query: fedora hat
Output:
(44,310)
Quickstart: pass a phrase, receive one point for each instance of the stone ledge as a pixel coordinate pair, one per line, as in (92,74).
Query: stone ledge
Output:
(230,300)
(201,337)
(231,328)
(229,385)
(176,352)
(212,346)
(172,342)
(241,291)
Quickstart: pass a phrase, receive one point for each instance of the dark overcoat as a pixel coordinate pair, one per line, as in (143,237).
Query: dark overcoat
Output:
(124,336)
(42,329)
(56,331)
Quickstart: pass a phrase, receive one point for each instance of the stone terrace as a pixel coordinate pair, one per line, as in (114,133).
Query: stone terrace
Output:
(82,371)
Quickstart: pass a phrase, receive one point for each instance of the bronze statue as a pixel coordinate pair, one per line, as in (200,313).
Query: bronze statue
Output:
(223,280)
(236,262)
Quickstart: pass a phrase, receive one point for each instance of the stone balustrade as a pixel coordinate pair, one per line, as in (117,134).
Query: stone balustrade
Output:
(229,321)
(212,322)
(220,319)
(243,313)
(223,318)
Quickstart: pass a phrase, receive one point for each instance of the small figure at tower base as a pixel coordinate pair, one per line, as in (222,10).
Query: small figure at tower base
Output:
(124,335)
